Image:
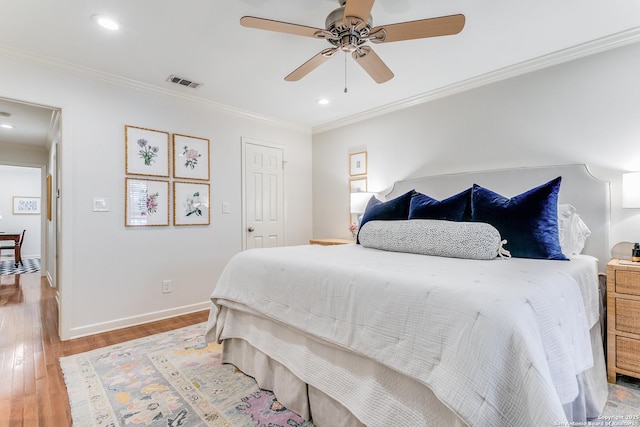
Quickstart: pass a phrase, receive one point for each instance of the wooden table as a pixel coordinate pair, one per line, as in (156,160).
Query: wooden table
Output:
(16,239)
(330,242)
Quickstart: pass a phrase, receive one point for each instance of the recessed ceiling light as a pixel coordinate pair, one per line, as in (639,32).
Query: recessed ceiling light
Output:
(6,126)
(106,22)
(323,101)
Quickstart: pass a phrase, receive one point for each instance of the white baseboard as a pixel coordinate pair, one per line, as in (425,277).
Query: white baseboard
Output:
(126,322)
(49,280)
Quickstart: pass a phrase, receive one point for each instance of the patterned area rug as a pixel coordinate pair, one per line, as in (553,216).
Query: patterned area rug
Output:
(176,379)
(623,406)
(31,265)
(169,379)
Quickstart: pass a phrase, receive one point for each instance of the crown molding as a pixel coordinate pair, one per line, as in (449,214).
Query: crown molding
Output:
(555,58)
(565,55)
(134,84)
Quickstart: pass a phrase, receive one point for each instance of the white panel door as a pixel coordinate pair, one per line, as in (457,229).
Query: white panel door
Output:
(264,196)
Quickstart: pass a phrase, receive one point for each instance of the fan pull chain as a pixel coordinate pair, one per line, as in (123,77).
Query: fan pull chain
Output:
(345,72)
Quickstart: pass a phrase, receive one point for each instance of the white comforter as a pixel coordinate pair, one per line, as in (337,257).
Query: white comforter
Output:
(500,342)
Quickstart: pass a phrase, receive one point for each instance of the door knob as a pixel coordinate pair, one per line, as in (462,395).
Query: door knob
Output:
(250,229)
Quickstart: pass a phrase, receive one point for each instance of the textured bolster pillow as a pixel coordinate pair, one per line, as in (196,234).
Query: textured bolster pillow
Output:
(471,240)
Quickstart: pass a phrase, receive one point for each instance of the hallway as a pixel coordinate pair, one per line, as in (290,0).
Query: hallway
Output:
(32,389)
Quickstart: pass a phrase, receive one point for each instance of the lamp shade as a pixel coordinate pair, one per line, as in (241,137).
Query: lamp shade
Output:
(631,190)
(359,202)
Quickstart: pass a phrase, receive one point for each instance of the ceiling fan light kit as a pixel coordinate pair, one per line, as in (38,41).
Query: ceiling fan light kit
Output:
(349,27)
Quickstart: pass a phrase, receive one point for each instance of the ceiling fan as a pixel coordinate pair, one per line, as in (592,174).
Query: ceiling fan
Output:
(350,27)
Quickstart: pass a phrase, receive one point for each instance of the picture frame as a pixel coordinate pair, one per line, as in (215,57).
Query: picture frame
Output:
(358,163)
(358,185)
(23,205)
(146,202)
(191,203)
(191,157)
(146,151)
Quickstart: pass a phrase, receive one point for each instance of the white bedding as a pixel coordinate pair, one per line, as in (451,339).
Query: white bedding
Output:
(499,342)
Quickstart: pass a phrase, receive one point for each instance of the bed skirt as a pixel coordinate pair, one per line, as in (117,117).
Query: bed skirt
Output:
(399,400)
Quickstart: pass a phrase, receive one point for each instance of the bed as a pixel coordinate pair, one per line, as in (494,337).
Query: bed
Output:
(355,335)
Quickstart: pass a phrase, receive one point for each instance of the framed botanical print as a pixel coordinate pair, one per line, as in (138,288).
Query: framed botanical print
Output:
(358,163)
(190,157)
(191,203)
(146,202)
(147,151)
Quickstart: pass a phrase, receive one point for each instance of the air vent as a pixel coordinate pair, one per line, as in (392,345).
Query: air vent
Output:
(183,82)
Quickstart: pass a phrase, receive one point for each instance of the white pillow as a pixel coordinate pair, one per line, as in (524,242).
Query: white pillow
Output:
(572,231)
(472,240)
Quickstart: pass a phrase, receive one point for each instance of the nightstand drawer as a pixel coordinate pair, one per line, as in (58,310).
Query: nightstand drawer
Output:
(627,315)
(628,354)
(628,282)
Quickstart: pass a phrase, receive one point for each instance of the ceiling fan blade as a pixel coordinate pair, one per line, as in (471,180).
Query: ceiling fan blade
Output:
(280,27)
(357,8)
(372,64)
(311,64)
(423,28)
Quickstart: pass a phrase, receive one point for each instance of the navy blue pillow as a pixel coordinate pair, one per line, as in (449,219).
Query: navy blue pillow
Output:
(394,209)
(454,208)
(528,221)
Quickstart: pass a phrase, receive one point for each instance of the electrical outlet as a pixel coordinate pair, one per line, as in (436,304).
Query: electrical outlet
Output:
(166,286)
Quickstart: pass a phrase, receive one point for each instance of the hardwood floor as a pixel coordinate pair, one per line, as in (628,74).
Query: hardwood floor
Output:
(32,389)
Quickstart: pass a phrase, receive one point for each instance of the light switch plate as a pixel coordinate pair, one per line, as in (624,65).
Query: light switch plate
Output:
(100,204)
(225,207)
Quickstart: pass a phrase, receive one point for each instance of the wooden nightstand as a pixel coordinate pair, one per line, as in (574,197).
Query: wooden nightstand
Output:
(330,242)
(623,319)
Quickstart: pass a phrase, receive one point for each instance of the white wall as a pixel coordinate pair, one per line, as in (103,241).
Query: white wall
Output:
(20,181)
(584,111)
(111,274)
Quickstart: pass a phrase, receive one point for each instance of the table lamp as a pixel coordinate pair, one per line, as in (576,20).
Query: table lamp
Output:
(631,190)
(358,204)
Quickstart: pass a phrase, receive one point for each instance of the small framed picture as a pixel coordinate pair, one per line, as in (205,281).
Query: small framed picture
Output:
(26,205)
(147,151)
(190,157)
(358,185)
(358,163)
(191,203)
(146,202)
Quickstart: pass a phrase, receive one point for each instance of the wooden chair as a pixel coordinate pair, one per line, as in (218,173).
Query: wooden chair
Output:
(16,250)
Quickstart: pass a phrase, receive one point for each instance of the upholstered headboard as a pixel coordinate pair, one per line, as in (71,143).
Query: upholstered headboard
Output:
(589,195)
